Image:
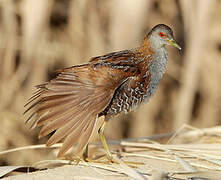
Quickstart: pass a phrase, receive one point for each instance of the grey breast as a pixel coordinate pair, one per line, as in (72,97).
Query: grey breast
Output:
(157,68)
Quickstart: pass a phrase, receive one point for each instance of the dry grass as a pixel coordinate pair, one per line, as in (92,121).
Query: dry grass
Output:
(37,37)
(141,160)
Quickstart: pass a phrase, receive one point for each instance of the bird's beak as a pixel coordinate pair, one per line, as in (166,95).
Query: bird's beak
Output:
(174,43)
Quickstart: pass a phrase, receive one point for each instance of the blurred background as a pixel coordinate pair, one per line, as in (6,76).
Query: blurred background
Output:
(39,36)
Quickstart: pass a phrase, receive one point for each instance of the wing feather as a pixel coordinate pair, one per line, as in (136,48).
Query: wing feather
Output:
(70,127)
(71,102)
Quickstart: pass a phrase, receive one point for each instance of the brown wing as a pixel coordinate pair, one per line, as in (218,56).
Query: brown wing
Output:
(71,102)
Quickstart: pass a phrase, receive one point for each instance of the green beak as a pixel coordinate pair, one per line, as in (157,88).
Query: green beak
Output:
(174,43)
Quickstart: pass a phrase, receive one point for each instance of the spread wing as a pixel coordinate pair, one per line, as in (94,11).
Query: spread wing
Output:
(71,102)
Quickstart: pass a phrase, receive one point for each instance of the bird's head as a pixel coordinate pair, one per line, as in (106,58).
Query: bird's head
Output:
(162,35)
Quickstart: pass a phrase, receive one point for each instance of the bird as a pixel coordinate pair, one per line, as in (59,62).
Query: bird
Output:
(118,82)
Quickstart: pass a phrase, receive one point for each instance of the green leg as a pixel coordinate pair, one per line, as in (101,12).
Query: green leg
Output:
(103,140)
(108,153)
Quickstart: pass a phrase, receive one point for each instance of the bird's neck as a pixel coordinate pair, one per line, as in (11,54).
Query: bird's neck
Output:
(156,68)
(157,65)
(161,54)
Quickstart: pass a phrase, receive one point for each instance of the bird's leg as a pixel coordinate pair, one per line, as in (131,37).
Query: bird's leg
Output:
(85,153)
(108,153)
(103,140)
(109,156)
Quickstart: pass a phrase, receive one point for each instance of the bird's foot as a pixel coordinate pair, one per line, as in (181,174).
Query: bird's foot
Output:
(118,160)
(106,159)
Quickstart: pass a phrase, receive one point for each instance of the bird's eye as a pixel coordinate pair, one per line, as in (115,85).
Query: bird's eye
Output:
(163,35)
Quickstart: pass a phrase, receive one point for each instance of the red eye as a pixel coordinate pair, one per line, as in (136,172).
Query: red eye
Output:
(162,35)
